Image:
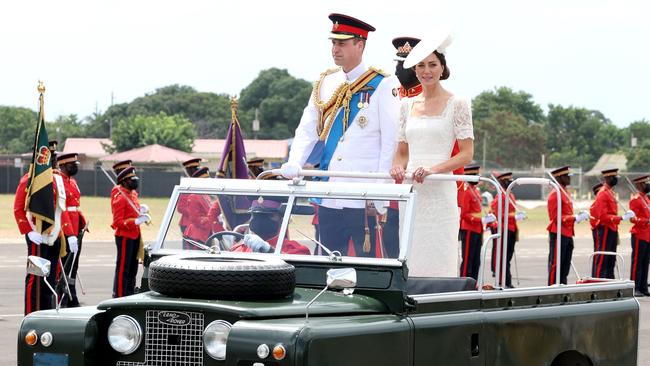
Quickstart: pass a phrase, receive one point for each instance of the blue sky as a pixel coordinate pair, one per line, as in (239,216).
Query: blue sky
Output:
(586,53)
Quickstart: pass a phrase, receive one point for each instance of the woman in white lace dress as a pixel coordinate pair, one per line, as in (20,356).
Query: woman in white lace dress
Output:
(430,124)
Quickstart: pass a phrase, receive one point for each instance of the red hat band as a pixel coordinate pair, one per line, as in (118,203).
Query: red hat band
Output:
(343,28)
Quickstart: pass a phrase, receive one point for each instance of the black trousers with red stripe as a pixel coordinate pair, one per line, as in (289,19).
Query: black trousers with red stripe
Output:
(640,262)
(37,295)
(603,265)
(339,226)
(510,252)
(566,253)
(126,266)
(471,251)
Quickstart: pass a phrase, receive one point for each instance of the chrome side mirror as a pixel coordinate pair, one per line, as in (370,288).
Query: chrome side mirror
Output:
(341,278)
(38,266)
(337,279)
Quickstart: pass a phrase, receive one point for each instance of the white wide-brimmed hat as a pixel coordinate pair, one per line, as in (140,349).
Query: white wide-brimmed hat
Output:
(437,41)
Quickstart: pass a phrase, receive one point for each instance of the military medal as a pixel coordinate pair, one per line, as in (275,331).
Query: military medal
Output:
(360,105)
(362,121)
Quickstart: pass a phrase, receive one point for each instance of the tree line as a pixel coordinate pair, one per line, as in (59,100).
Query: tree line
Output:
(511,129)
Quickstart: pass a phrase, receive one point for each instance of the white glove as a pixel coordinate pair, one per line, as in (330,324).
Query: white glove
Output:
(582,216)
(521,215)
(256,243)
(489,218)
(144,209)
(73,243)
(290,170)
(628,215)
(35,237)
(141,219)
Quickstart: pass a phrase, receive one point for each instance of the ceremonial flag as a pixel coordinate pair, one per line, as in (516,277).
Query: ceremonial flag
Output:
(233,166)
(40,189)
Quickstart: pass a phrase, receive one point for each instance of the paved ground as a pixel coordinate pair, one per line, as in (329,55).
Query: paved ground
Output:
(97,264)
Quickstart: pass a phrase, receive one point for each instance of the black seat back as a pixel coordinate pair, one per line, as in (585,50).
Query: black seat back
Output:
(435,285)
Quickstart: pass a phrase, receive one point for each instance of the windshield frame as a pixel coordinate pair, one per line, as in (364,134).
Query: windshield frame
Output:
(301,189)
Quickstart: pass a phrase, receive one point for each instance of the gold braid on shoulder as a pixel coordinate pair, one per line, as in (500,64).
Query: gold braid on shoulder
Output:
(340,98)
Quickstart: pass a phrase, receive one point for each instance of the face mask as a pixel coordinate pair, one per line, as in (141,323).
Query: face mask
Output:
(132,184)
(71,169)
(264,226)
(406,77)
(613,181)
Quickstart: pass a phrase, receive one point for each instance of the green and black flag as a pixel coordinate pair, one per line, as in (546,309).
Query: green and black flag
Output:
(40,189)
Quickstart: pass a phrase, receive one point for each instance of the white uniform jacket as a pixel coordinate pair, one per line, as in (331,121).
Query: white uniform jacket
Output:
(367,149)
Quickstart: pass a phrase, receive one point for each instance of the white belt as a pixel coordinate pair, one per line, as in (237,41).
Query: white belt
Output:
(73,208)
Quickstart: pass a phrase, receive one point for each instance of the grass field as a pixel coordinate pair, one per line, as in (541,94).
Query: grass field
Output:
(98,211)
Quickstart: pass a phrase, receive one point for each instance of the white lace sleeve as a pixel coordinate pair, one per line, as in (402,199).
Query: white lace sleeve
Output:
(403,117)
(463,128)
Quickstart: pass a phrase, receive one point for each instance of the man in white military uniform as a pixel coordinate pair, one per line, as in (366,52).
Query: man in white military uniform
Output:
(354,110)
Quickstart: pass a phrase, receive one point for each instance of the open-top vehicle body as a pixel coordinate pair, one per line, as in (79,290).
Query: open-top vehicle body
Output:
(215,301)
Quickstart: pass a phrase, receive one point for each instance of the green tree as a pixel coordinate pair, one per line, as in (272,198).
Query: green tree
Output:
(504,99)
(174,131)
(64,127)
(511,140)
(578,136)
(17,129)
(209,112)
(280,98)
(638,158)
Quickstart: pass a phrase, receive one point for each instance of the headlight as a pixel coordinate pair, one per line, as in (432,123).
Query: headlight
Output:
(124,334)
(215,337)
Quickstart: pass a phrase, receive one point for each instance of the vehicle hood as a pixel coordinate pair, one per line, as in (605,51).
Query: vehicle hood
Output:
(329,303)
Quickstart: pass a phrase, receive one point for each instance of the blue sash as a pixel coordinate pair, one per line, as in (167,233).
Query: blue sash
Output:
(337,127)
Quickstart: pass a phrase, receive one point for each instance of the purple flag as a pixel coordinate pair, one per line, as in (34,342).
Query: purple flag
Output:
(233,166)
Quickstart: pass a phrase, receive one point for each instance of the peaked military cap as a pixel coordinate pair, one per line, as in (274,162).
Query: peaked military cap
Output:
(128,173)
(642,179)
(610,172)
(472,169)
(504,176)
(52,145)
(192,163)
(347,27)
(596,187)
(202,172)
(67,158)
(565,170)
(119,166)
(255,162)
(404,45)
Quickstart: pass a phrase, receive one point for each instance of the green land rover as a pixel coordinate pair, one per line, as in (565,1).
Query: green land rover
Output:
(216,301)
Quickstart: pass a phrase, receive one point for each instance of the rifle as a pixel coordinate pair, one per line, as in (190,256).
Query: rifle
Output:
(634,190)
(127,198)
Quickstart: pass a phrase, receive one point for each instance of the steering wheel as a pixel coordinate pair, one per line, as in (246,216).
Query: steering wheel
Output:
(222,243)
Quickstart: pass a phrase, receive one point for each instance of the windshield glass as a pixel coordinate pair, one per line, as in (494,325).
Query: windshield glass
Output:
(302,225)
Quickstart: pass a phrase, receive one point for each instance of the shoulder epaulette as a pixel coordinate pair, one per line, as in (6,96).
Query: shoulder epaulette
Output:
(380,71)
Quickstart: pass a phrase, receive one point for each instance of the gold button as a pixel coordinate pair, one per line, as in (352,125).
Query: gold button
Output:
(339,158)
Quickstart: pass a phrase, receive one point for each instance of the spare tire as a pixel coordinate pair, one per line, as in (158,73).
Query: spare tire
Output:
(228,276)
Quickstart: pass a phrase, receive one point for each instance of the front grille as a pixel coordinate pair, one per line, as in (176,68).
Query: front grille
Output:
(167,345)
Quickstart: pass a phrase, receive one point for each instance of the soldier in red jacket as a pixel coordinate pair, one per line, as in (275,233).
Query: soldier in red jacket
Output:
(126,223)
(593,215)
(37,294)
(199,226)
(191,166)
(606,207)
(505,179)
(640,204)
(471,226)
(69,166)
(563,177)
